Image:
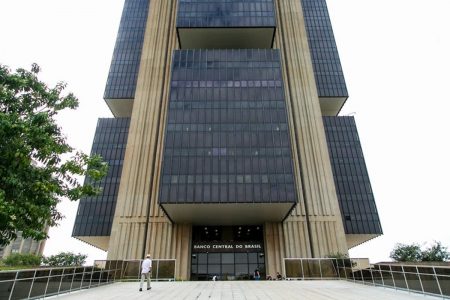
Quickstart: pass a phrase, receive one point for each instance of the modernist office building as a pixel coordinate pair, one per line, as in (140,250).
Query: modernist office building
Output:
(22,246)
(226,151)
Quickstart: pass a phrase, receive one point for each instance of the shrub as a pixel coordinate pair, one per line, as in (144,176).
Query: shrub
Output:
(337,255)
(342,259)
(65,259)
(436,252)
(18,259)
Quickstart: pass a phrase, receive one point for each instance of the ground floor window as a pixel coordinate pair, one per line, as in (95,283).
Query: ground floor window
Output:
(227,252)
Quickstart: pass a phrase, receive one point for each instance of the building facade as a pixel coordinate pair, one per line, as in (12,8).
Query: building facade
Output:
(226,151)
(22,246)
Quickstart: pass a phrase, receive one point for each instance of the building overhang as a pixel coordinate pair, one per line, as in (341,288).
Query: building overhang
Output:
(354,240)
(227,213)
(120,108)
(101,242)
(226,38)
(331,106)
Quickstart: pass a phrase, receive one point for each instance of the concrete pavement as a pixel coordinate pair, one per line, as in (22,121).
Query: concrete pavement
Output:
(248,290)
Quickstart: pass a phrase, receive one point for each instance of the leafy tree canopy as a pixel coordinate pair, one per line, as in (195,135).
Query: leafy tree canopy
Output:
(436,252)
(65,259)
(413,252)
(402,252)
(37,166)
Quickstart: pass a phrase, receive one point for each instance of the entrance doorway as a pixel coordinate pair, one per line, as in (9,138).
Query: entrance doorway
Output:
(227,252)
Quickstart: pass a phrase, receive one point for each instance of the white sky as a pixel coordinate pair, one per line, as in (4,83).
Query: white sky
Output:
(396,59)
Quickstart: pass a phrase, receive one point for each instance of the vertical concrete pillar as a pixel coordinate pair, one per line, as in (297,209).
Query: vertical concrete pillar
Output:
(315,227)
(139,225)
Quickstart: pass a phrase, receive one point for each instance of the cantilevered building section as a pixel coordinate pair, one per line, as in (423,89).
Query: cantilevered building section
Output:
(328,74)
(229,139)
(227,145)
(95,214)
(356,200)
(218,24)
(123,73)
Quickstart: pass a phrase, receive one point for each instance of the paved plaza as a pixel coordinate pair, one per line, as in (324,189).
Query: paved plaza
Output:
(248,290)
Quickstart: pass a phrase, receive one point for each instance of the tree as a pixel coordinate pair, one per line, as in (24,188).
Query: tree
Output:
(37,166)
(436,252)
(65,259)
(402,252)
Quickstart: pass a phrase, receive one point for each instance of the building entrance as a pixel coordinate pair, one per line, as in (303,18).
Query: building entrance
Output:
(227,252)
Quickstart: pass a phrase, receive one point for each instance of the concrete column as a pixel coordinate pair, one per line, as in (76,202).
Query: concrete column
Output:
(315,226)
(139,224)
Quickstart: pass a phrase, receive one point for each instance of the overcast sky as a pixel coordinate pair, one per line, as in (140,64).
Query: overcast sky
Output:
(396,59)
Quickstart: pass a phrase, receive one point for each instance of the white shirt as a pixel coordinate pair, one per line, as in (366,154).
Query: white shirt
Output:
(146,265)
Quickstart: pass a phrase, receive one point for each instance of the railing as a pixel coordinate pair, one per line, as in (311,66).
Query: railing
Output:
(428,280)
(424,279)
(45,282)
(162,269)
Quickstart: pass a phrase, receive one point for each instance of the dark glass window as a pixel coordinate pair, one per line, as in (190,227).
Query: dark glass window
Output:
(95,214)
(239,140)
(325,57)
(356,200)
(123,72)
(225,13)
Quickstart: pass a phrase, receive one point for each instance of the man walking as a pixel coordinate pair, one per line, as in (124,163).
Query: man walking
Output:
(146,272)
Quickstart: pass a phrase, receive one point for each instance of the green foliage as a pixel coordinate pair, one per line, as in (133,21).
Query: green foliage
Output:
(20,260)
(37,166)
(65,259)
(402,252)
(342,259)
(413,252)
(436,252)
(337,255)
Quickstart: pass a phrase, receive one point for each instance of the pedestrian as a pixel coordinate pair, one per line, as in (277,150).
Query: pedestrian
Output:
(279,277)
(146,272)
(256,275)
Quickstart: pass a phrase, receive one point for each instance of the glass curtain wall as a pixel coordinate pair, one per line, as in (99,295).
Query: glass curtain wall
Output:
(227,252)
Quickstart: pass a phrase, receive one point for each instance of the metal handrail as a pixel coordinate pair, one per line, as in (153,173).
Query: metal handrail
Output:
(437,290)
(424,279)
(155,272)
(22,288)
(29,283)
